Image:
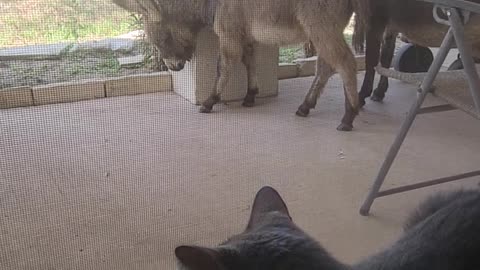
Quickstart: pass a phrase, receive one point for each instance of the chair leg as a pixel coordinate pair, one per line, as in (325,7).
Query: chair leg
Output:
(466,55)
(392,153)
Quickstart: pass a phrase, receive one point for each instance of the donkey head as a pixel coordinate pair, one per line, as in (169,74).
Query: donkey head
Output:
(172,34)
(271,241)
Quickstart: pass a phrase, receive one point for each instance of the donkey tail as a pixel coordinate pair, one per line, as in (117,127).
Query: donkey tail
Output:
(363,10)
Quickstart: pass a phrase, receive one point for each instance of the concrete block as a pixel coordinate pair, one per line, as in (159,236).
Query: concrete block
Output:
(130,61)
(136,34)
(197,80)
(16,97)
(139,84)
(287,71)
(360,62)
(34,52)
(68,92)
(124,45)
(306,66)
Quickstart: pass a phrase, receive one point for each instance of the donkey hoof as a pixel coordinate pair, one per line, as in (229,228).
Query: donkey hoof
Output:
(345,127)
(206,109)
(249,101)
(361,102)
(248,104)
(303,111)
(377,98)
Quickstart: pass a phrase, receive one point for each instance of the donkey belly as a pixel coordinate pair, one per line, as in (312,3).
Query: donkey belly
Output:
(415,21)
(432,35)
(277,34)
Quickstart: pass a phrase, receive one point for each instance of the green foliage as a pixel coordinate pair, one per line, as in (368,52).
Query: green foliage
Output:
(289,54)
(25,22)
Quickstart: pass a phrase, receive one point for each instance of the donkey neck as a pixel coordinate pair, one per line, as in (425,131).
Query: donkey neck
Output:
(191,11)
(210,8)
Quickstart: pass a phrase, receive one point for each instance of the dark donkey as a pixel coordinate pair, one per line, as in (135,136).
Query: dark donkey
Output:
(414,19)
(241,24)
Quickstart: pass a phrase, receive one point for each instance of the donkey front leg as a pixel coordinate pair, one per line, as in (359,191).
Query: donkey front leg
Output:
(230,54)
(250,63)
(213,99)
(323,73)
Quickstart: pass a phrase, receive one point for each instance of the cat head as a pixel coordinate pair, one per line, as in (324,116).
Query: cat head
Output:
(271,241)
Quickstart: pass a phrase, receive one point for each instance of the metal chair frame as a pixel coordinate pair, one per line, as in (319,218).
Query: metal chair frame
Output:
(458,13)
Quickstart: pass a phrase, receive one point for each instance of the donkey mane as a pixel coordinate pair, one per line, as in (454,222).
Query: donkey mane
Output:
(191,10)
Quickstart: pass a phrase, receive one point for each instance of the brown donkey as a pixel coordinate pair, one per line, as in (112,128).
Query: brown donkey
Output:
(241,24)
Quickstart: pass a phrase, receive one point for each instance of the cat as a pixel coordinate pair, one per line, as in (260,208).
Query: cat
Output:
(442,234)
(434,203)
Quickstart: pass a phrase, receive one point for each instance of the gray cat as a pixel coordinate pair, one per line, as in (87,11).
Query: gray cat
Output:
(443,234)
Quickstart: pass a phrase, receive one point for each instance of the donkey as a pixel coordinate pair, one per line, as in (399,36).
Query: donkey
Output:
(443,235)
(241,24)
(414,19)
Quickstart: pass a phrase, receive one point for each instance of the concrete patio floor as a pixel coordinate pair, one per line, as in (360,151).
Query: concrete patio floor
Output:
(118,183)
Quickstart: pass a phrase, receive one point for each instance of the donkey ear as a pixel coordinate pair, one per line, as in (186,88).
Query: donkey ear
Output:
(198,258)
(267,200)
(147,8)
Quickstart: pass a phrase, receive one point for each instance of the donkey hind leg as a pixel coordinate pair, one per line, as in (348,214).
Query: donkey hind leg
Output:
(323,73)
(338,55)
(388,49)
(249,62)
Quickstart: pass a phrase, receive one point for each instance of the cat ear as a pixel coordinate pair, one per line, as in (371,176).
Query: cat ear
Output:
(267,200)
(198,258)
